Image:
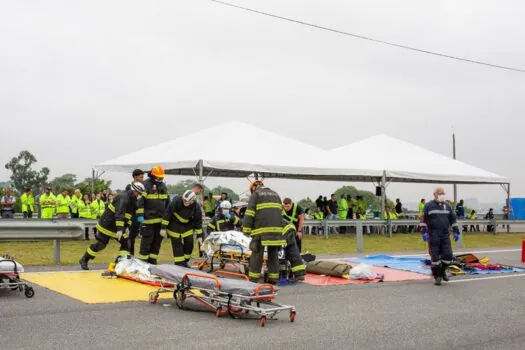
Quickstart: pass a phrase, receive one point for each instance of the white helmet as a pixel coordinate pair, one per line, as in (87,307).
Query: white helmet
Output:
(138,187)
(189,197)
(225,205)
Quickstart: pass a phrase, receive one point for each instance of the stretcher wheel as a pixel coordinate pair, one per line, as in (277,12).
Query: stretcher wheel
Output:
(14,288)
(153,297)
(29,292)
(262,321)
(218,312)
(292,316)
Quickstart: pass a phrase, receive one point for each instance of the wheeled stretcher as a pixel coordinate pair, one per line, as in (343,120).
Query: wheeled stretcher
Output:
(223,292)
(10,277)
(232,254)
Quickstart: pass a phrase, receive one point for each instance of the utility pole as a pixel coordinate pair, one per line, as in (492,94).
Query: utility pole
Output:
(454,156)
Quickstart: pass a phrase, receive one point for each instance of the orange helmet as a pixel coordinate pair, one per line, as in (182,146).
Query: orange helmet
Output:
(255,185)
(158,172)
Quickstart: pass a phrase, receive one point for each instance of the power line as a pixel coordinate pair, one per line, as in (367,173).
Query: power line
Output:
(368,38)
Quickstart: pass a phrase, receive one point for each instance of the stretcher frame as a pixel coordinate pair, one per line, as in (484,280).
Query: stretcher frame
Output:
(238,259)
(223,303)
(14,282)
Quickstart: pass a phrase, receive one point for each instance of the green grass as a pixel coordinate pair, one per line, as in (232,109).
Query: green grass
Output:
(41,253)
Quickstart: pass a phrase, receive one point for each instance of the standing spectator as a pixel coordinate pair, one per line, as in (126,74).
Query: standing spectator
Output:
(28,203)
(209,205)
(399,208)
(62,205)
(97,206)
(37,204)
(490,216)
(331,208)
(325,204)
(319,202)
(350,204)
(360,203)
(104,196)
(7,204)
(421,208)
(460,210)
(84,212)
(318,215)
(473,216)
(224,197)
(342,212)
(77,197)
(47,204)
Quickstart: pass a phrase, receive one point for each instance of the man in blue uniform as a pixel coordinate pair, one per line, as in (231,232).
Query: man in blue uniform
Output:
(436,221)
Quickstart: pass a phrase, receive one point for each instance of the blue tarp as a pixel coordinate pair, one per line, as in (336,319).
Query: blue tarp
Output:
(416,264)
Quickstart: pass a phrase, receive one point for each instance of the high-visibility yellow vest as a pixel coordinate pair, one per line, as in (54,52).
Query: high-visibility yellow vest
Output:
(62,204)
(97,208)
(75,202)
(84,210)
(28,202)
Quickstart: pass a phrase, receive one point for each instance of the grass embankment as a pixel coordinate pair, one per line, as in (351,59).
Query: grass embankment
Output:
(41,253)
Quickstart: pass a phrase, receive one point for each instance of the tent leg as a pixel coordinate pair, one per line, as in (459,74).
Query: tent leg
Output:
(383,194)
(200,178)
(508,204)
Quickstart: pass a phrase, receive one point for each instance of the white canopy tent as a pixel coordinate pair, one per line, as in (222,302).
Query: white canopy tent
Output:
(400,161)
(261,152)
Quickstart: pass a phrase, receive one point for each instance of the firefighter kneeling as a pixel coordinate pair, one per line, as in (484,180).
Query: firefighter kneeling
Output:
(182,218)
(113,223)
(291,251)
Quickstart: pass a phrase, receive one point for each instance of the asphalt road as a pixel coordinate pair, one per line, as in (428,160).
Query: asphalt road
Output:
(468,313)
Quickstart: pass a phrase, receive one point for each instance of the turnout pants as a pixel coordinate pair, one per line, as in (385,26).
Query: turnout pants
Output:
(182,248)
(133,233)
(256,261)
(102,242)
(150,243)
(293,255)
(440,250)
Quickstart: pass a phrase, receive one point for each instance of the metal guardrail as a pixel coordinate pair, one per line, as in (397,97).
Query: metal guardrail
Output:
(33,230)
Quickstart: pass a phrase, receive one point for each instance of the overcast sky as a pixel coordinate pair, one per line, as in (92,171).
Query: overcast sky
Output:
(82,82)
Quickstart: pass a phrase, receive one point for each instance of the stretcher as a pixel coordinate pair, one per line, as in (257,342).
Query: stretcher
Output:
(10,277)
(231,254)
(223,292)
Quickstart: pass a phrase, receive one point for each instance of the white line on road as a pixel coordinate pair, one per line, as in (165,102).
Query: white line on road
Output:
(487,278)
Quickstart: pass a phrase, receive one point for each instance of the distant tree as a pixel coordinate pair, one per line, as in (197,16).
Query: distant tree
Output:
(180,187)
(23,176)
(66,181)
(99,185)
(231,193)
(307,203)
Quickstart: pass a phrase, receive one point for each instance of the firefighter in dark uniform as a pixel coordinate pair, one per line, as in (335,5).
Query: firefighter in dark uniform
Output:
(436,221)
(224,220)
(181,220)
(291,251)
(263,222)
(113,223)
(150,210)
(138,176)
(295,214)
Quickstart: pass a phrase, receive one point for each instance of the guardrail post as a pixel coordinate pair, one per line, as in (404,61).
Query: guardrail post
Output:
(56,246)
(325,228)
(359,236)
(459,244)
(389,224)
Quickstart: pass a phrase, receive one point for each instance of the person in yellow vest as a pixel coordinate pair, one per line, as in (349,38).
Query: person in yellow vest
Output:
(209,205)
(361,203)
(421,207)
(342,212)
(473,216)
(28,203)
(47,204)
(77,197)
(318,215)
(293,213)
(84,211)
(361,215)
(62,205)
(97,207)
(390,214)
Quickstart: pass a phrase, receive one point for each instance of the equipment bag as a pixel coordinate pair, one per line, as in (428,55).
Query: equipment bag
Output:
(328,268)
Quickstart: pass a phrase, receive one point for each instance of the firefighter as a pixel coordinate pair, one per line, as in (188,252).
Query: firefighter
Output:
(150,211)
(291,251)
(224,220)
(181,220)
(436,221)
(138,176)
(295,214)
(263,222)
(113,223)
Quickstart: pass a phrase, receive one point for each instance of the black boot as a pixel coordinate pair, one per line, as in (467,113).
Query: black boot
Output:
(152,261)
(84,262)
(437,281)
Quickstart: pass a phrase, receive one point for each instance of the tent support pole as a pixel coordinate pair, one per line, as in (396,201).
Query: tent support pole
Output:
(200,178)
(383,194)
(508,204)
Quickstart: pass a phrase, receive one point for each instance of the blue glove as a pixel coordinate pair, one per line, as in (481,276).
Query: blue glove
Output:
(456,235)
(140,219)
(424,236)
(227,216)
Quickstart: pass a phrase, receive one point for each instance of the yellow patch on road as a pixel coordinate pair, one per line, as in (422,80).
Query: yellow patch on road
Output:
(89,287)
